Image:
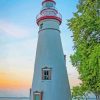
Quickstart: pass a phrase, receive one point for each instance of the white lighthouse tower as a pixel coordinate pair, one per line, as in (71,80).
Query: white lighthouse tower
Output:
(50,80)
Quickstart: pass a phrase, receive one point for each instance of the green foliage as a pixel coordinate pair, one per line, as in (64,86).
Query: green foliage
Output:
(85,26)
(79,92)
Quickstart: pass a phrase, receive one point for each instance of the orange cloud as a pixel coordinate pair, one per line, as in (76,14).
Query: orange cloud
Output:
(74,81)
(14,81)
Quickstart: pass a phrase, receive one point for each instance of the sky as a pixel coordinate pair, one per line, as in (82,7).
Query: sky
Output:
(18,41)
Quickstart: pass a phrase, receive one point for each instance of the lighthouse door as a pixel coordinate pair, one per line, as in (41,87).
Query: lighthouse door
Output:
(37,96)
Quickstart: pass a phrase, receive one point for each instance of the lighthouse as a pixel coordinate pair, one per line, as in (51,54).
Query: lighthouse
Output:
(50,79)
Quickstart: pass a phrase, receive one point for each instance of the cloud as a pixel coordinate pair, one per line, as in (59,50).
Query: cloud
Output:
(13,30)
(16,67)
(72,72)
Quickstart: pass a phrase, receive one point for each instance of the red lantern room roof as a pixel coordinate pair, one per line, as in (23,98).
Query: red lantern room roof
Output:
(49,13)
(49,1)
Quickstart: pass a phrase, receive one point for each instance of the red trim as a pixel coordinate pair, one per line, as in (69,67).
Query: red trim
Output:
(49,1)
(48,9)
(42,75)
(49,28)
(49,17)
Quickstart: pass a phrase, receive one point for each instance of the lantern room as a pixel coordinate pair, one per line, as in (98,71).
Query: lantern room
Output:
(49,12)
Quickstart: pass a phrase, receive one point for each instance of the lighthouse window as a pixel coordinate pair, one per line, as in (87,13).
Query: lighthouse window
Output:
(41,26)
(46,74)
(49,4)
(65,57)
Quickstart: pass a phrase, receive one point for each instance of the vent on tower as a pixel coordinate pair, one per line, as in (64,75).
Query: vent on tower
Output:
(48,1)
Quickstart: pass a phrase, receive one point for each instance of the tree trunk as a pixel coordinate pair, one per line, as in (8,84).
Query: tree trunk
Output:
(97,97)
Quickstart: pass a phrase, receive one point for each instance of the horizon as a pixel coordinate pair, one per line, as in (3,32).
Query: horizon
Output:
(18,40)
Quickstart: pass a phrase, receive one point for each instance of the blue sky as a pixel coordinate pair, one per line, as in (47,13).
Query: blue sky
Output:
(18,40)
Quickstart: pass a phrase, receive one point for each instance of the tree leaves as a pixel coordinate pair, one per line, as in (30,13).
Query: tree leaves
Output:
(85,26)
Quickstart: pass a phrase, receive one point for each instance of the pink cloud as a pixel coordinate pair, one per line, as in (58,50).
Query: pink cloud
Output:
(13,30)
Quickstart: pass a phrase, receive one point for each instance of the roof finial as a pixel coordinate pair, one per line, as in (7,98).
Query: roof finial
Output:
(48,0)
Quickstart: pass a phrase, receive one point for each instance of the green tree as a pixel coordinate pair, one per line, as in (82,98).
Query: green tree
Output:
(85,26)
(79,92)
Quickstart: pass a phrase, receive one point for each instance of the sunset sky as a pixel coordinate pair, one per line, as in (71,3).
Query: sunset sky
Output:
(18,40)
